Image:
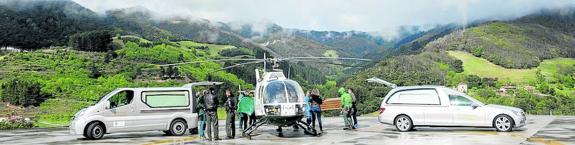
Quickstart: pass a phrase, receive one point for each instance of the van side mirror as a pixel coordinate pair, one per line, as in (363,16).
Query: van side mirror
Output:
(107,104)
(474,105)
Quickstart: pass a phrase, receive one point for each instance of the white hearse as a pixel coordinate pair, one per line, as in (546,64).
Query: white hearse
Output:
(168,109)
(408,107)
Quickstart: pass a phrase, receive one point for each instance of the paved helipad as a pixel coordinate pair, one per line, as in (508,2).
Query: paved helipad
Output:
(539,130)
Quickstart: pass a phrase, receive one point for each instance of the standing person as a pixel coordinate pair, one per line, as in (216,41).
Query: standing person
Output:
(252,108)
(245,108)
(346,102)
(353,107)
(231,106)
(201,114)
(211,104)
(316,101)
(307,113)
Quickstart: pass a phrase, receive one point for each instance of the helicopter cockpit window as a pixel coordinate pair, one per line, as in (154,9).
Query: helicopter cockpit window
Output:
(275,93)
(292,92)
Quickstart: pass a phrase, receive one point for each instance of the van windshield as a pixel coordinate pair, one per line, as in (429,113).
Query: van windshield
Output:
(105,95)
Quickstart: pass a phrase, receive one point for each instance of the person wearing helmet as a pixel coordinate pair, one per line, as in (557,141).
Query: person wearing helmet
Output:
(346,104)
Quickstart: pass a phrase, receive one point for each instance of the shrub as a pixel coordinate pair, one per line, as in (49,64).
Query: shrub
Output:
(24,92)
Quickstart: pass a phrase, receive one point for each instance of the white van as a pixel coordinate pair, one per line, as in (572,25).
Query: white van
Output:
(408,107)
(168,109)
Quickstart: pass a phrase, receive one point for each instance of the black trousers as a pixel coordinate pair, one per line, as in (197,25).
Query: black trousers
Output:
(253,118)
(231,124)
(244,121)
(354,115)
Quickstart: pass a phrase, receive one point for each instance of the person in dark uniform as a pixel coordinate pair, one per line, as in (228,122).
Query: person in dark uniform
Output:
(211,104)
(353,108)
(231,106)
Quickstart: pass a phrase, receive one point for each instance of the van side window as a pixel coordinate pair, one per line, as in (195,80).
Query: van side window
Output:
(456,100)
(121,98)
(158,99)
(416,96)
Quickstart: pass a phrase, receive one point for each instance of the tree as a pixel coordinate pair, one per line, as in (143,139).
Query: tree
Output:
(100,41)
(19,91)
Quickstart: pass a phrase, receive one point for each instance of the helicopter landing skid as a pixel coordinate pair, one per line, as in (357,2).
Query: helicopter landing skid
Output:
(307,129)
(253,127)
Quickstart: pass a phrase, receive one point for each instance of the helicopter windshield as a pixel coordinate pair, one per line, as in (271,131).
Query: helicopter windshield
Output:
(281,91)
(292,92)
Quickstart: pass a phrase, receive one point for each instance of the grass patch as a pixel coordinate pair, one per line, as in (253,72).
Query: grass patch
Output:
(213,49)
(478,66)
(330,53)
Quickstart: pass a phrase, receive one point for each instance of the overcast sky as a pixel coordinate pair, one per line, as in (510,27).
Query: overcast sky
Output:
(339,15)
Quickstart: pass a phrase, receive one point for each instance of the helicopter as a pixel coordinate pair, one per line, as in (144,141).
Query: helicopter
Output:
(278,100)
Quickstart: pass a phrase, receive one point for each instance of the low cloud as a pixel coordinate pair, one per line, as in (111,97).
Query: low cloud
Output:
(378,16)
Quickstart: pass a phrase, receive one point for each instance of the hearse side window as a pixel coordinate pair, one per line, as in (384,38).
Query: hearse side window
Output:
(415,96)
(456,100)
(161,99)
(121,98)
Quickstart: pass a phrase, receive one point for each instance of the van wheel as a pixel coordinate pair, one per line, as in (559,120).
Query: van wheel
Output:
(503,123)
(95,131)
(178,127)
(403,123)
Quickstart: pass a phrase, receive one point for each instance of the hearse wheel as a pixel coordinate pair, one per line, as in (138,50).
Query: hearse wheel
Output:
(95,131)
(178,127)
(403,123)
(503,123)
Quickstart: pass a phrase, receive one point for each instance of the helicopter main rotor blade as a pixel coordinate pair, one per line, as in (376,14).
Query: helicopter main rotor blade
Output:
(217,60)
(238,65)
(337,58)
(327,62)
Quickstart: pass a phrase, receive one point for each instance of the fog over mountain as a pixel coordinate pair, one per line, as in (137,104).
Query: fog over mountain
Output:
(378,16)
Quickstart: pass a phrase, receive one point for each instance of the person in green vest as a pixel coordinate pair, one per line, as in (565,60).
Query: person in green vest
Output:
(346,104)
(245,108)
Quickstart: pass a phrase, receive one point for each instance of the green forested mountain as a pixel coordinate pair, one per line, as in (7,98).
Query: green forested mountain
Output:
(524,43)
(75,55)
(36,24)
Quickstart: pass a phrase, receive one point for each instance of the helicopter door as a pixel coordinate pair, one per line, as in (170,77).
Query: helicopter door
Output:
(258,106)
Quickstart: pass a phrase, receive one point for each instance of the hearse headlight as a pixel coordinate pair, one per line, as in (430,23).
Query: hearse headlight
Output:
(272,110)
